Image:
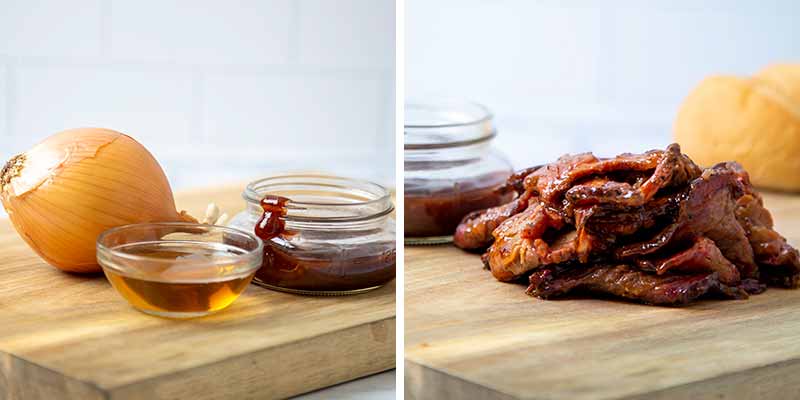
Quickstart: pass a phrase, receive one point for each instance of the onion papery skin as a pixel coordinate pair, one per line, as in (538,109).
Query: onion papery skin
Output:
(82,182)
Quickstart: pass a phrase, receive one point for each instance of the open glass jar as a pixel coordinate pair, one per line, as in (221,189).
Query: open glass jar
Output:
(450,168)
(334,235)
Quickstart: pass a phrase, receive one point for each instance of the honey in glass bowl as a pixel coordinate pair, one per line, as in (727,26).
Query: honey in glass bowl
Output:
(179,270)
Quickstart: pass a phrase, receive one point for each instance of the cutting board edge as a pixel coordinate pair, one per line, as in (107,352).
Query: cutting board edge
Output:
(745,384)
(422,382)
(753,383)
(15,381)
(199,376)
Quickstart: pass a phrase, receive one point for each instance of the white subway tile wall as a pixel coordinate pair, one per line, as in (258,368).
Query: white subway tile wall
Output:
(220,92)
(204,32)
(345,33)
(268,110)
(50,28)
(148,104)
(581,75)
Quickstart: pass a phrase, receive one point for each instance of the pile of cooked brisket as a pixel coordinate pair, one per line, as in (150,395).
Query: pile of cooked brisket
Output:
(650,227)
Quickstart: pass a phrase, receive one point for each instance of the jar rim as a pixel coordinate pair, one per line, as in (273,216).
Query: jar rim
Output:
(352,199)
(440,123)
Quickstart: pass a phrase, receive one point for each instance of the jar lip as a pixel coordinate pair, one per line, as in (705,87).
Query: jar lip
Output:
(482,112)
(442,123)
(377,200)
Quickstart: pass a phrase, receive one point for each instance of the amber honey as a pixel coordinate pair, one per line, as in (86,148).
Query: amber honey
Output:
(179,297)
(195,283)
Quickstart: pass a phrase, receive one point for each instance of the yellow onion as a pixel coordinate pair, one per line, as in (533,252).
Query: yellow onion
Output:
(61,194)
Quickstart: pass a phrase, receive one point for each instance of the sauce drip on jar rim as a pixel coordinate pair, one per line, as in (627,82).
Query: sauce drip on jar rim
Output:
(272,223)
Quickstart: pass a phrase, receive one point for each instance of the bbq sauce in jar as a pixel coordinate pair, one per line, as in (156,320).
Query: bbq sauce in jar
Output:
(322,241)
(450,168)
(437,213)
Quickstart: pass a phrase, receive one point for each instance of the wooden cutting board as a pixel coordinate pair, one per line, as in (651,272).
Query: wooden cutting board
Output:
(469,336)
(72,337)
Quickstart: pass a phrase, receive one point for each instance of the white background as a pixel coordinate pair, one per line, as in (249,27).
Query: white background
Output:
(217,90)
(573,76)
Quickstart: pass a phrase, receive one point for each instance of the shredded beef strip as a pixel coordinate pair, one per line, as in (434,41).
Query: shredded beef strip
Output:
(669,167)
(537,237)
(516,182)
(779,262)
(707,209)
(475,230)
(518,246)
(702,257)
(627,282)
(615,222)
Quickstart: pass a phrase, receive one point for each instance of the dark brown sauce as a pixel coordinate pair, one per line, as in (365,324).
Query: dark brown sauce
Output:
(439,213)
(323,266)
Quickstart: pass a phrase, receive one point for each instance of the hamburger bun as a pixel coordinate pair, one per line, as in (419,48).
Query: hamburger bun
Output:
(750,120)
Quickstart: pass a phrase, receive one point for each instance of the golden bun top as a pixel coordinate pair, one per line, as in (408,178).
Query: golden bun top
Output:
(755,121)
(784,77)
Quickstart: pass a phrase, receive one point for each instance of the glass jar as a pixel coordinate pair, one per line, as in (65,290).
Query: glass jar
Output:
(336,236)
(451,168)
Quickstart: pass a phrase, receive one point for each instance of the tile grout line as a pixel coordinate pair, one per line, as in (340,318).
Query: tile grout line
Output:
(355,73)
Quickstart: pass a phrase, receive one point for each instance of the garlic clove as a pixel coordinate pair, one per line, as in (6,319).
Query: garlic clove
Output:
(213,216)
(222,219)
(212,213)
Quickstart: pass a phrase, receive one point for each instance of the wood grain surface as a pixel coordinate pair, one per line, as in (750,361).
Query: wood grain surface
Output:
(470,336)
(72,337)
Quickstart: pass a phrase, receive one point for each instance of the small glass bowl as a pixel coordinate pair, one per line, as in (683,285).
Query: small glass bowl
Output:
(176,269)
